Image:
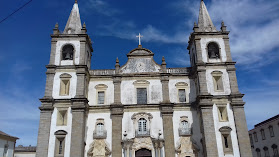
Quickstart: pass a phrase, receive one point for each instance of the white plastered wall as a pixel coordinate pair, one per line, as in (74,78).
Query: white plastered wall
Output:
(230,123)
(210,83)
(193,122)
(173,90)
(93,92)
(90,127)
(56,86)
(222,51)
(10,147)
(129,92)
(59,46)
(54,128)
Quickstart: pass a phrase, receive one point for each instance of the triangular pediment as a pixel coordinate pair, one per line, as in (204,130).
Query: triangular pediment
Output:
(140,60)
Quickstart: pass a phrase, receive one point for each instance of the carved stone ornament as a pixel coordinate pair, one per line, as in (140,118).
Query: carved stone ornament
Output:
(181,84)
(101,86)
(99,148)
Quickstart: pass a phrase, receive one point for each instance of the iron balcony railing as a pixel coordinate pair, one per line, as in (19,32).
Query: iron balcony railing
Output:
(142,133)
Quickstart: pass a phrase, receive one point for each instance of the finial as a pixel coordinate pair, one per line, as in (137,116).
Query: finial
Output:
(195,24)
(223,24)
(163,59)
(139,36)
(117,60)
(56,26)
(84,25)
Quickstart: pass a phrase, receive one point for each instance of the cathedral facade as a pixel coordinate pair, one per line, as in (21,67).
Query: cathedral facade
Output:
(142,108)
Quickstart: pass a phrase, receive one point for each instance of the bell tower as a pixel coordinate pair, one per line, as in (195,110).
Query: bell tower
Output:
(219,102)
(65,103)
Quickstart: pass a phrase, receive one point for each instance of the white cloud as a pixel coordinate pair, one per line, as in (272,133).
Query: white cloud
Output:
(101,7)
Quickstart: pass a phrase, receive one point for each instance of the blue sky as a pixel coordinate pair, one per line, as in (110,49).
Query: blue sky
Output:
(113,25)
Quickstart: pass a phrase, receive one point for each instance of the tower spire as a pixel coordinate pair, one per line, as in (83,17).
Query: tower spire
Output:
(205,23)
(73,25)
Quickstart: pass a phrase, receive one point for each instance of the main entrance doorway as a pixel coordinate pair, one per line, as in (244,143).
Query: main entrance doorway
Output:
(143,153)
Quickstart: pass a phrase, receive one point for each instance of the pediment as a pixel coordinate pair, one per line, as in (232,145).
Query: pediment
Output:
(140,60)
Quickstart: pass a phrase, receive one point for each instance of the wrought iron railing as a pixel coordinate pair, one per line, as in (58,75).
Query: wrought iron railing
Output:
(142,133)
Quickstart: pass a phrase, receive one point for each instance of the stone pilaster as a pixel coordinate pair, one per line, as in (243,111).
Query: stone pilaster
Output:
(165,87)
(167,115)
(116,117)
(202,80)
(207,127)
(44,128)
(198,50)
(117,90)
(233,80)
(227,48)
(49,81)
(242,131)
(79,109)
(53,51)
(82,52)
(81,82)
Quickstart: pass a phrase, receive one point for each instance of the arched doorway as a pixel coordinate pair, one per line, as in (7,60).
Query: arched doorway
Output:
(143,153)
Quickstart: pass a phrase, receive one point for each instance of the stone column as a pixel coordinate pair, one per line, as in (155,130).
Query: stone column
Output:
(79,108)
(208,130)
(242,131)
(116,117)
(44,129)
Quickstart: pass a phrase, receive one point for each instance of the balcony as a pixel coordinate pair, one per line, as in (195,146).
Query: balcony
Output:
(100,135)
(184,131)
(142,133)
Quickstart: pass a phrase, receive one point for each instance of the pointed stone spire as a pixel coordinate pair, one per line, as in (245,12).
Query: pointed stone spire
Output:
(164,65)
(73,25)
(205,23)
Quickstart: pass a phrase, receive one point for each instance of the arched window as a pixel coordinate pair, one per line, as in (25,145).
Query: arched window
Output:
(213,50)
(258,152)
(67,52)
(142,129)
(100,129)
(266,153)
(275,150)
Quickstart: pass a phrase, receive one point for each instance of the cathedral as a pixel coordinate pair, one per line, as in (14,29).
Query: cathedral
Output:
(142,108)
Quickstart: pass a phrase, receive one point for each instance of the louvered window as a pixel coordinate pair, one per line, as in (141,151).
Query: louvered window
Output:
(182,95)
(101,97)
(141,96)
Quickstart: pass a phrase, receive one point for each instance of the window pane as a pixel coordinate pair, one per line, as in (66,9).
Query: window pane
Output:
(101,97)
(182,95)
(141,96)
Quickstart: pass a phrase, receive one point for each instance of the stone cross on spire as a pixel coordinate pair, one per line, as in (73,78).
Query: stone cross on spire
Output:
(139,36)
